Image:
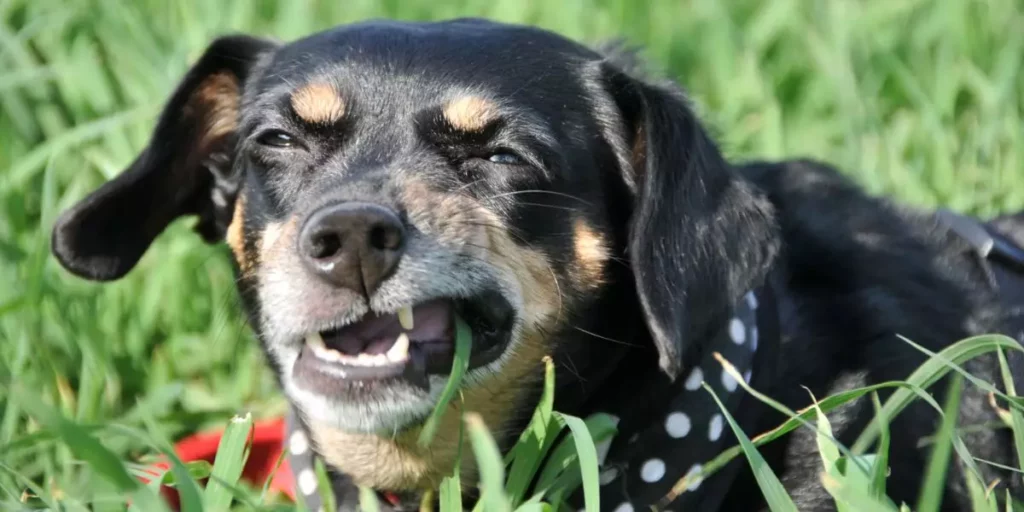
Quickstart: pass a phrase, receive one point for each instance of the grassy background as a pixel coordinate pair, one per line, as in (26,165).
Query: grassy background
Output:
(920,99)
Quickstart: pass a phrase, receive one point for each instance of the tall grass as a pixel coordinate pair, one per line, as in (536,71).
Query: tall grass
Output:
(915,98)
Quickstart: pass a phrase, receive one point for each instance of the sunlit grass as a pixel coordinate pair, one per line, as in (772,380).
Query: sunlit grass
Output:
(914,98)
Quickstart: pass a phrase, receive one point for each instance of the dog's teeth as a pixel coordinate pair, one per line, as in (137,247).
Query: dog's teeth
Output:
(315,340)
(405,318)
(400,350)
(320,350)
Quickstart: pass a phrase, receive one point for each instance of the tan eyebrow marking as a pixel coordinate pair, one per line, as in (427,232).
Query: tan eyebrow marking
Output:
(318,103)
(470,113)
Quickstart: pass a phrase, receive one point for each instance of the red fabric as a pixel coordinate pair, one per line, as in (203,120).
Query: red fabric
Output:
(267,445)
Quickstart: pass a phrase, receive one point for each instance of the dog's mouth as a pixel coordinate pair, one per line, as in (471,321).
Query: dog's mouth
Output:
(411,344)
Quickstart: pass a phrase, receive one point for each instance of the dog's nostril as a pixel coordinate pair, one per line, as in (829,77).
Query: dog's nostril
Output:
(352,245)
(325,245)
(385,238)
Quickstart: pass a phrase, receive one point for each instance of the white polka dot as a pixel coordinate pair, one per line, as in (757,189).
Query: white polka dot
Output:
(696,468)
(746,376)
(608,476)
(751,300)
(715,427)
(695,378)
(625,507)
(307,482)
(753,339)
(729,382)
(737,331)
(652,470)
(677,424)
(298,443)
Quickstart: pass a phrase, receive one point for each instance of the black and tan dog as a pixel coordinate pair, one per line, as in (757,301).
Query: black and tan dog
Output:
(378,180)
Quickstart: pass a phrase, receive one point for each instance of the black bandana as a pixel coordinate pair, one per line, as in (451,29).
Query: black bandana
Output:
(654,449)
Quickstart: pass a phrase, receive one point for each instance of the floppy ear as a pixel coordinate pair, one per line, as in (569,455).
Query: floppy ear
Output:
(185,170)
(700,236)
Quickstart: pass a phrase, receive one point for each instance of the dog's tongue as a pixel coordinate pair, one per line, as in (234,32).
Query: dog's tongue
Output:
(376,334)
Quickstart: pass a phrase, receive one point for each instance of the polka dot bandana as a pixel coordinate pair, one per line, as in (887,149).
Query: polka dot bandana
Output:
(656,446)
(650,455)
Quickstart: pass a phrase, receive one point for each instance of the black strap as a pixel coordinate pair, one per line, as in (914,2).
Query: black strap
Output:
(988,243)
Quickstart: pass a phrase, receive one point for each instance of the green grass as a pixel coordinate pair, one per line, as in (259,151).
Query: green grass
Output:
(923,100)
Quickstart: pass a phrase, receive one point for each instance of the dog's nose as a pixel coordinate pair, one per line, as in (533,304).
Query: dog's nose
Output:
(352,245)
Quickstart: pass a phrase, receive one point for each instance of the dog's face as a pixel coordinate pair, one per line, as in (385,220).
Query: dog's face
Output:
(382,184)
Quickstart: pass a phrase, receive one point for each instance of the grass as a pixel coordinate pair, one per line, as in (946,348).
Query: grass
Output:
(920,99)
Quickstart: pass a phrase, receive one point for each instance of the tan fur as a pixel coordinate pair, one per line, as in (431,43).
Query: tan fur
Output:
(235,236)
(215,104)
(397,463)
(277,237)
(469,113)
(318,103)
(591,254)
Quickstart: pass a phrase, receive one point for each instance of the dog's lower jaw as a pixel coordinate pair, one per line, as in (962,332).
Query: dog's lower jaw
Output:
(394,461)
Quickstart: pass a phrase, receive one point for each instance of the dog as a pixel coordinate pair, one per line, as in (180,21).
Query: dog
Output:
(381,184)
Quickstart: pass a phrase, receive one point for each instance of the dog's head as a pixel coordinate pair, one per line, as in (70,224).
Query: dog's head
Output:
(378,181)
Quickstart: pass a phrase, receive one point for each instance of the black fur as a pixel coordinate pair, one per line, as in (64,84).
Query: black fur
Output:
(695,232)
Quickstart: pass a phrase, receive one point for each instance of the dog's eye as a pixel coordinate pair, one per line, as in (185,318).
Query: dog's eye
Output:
(276,138)
(505,158)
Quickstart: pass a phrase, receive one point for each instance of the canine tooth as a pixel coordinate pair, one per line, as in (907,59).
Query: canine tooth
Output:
(320,350)
(400,350)
(405,318)
(315,340)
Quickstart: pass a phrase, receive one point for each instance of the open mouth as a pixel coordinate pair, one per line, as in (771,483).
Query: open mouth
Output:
(411,344)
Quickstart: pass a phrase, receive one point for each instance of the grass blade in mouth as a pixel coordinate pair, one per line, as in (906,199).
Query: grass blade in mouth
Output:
(463,343)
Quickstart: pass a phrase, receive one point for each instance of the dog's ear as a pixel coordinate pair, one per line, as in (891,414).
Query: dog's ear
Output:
(185,170)
(699,235)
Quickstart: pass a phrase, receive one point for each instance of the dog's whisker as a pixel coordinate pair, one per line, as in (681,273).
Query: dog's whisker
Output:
(538,191)
(605,338)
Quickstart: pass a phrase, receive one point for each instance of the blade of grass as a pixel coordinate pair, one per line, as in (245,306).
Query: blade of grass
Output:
(232,453)
(1016,416)
(980,500)
(535,442)
(825,439)
(852,497)
(183,476)
(987,386)
(938,464)
(368,500)
(329,501)
(450,493)
(463,343)
(586,453)
(489,463)
(880,467)
(564,457)
(774,493)
(931,371)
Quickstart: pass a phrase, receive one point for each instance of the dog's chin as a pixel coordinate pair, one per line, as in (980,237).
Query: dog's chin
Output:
(385,372)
